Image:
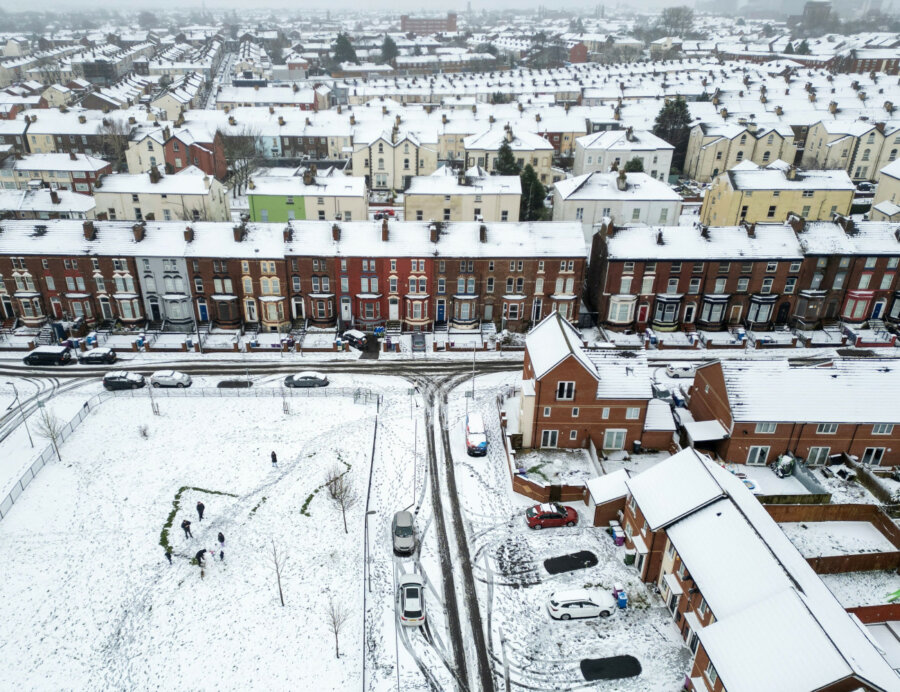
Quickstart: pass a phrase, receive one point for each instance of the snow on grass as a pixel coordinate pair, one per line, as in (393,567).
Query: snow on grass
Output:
(558,466)
(822,538)
(91,598)
(862,588)
(513,585)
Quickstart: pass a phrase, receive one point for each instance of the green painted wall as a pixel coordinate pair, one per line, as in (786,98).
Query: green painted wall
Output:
(277,208)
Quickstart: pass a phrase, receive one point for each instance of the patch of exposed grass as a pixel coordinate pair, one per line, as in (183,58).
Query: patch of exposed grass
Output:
(176,505)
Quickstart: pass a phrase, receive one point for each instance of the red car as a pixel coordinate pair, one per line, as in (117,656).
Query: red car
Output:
(550,514)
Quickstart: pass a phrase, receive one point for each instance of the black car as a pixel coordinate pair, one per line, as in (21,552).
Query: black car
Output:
(306,379)
(123,380)
(355,338)
(49,355)
(98,355)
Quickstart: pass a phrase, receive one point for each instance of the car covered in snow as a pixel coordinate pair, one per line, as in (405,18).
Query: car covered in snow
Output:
(548,514)
(418,342)
(306,379)
(476,438)
(97,355)
(170,378)
(123,379)
(580,603)
(412,600)
(355,338)
(677,371)
(403,533)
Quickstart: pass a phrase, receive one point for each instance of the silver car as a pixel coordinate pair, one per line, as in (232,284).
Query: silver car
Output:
(170,378)
(403,533)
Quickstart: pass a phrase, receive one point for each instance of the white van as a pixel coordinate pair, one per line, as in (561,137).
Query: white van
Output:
(476,438)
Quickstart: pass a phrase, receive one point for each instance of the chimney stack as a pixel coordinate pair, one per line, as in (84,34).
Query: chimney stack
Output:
(433,232)
(622,181)
(188,234)
(54,196)
(443,118)
(336,233)
(238,233)
(798,223)
(73,156)
(629,134)
(138,230)
(281,120)
(750,228)
(308,177)
(482,233)
(288,234)
(384,230)
(90,233)
(154,174)
(607,227)
(791,173)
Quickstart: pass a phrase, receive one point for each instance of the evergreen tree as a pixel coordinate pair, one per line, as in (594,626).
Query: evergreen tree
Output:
(533,193)
(803,48)
(388,50)
(673,124)
(790,49)
(343,50)
(636,165)
(506,161)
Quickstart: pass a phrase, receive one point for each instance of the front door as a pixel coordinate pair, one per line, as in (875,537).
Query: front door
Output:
(643,312)
(346,312)
(441,309)
(297,307)
(202,310)
(489,311)
(56,308)
(878,310)
(7,307)
(689,313)
(536,310)
(783,311)
(155,315)
(394,309)
(106,309)
(251,311)
(735,317)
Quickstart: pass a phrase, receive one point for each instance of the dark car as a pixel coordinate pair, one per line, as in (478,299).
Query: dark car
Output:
(306,379)
(49,355)
(418,342)
(98,355)
(123,380)
(356,338)
(550,514)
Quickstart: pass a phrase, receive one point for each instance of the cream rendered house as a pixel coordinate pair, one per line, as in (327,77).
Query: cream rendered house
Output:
(473,196)
(851,145)
(717,147)
(886,205)
(601,150)
(528,148)
(390,161)
(190,195)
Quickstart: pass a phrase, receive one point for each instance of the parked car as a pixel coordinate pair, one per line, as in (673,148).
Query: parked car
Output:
(378,216)
(170,378)
(123,379)
(412,600)
(98,355)
(865,187)
(306,379)
(549,514)
(49,355)
(403,533)
(681,370)
(476,438)
(355,338)
(580,603)
(418,342)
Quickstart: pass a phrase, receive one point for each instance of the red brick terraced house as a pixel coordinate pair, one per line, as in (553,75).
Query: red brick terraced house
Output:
(272,276)
(765,409)
(738,590)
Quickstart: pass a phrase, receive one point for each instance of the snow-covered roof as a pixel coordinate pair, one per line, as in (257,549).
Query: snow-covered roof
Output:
(551,342)
(673,489)
(58,162)
(892,169)
(659,416)
(622,374)
(766,391)
(770,241)
(445,181)
(603,186)
(324,186)
(189,181)
(641,140)
(609,487)
(774,178)
(41,200)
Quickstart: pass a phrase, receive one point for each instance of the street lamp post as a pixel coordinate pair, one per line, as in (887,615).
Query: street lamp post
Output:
(368,552)
(21,412)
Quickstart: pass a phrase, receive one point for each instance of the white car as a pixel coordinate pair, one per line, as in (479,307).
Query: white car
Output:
(170,378)
(580,603)
(681,370)
(412,600)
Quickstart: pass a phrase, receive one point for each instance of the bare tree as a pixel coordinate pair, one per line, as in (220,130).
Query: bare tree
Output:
(114,134)
(51,427)
(338,614)
(278,561)
(243,151)
(342,492)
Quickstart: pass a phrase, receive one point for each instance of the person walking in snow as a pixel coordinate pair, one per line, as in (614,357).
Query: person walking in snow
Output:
(200,508)
(186,525)
(221,546)
(200,557)
(169,555)
(274,460)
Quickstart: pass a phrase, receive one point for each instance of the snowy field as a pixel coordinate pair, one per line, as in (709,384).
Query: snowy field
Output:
(513,585)
(558,466)
(821,538)
(90,601)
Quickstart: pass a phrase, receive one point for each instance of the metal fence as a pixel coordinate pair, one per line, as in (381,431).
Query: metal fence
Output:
(47,455)
(359,394)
